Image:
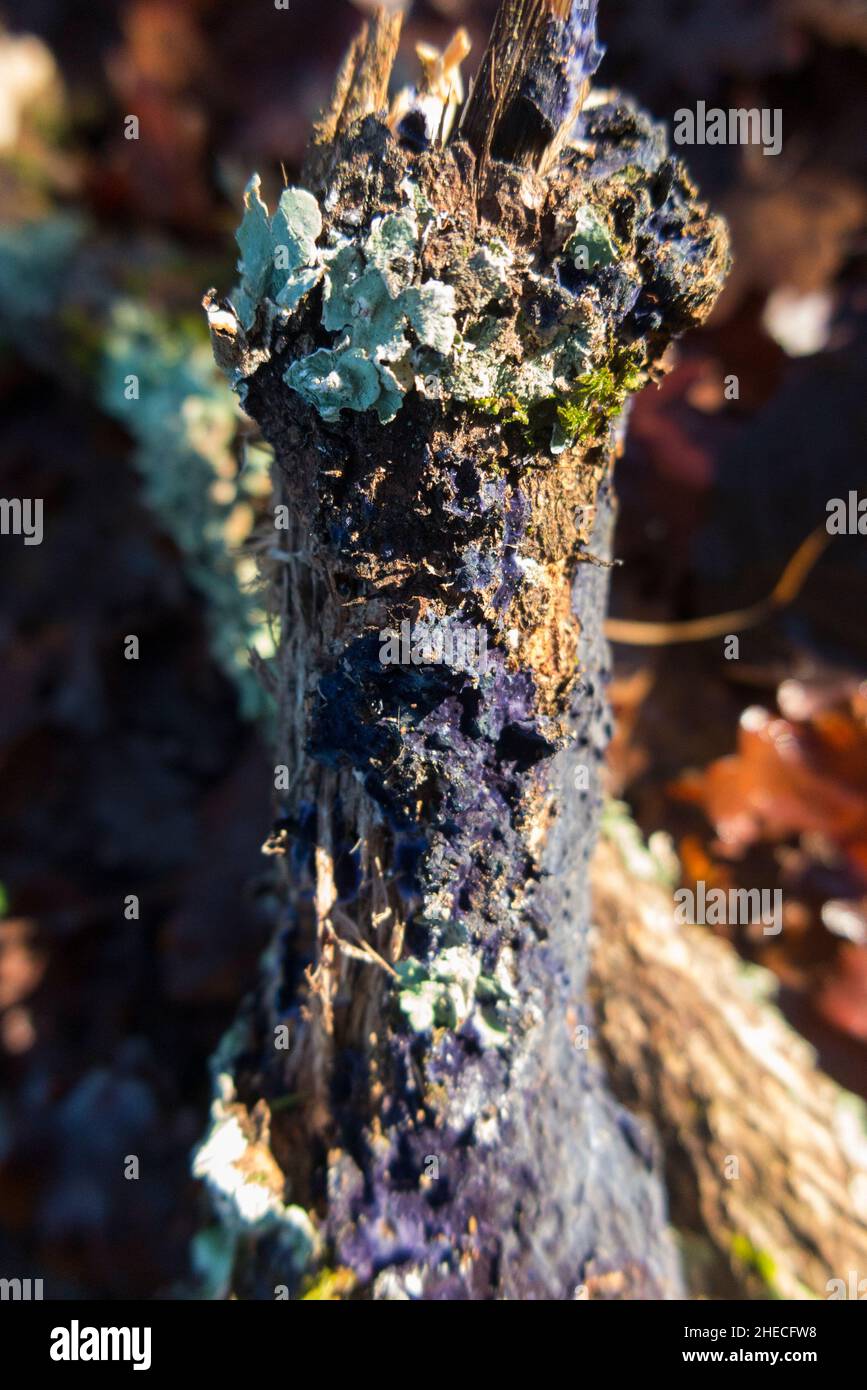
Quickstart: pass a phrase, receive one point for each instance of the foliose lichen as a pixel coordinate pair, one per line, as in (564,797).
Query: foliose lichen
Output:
(373,304)
(368,305)
(451,991)
(157,378)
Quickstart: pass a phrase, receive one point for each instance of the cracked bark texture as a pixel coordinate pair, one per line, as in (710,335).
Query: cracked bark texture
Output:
(428,1124)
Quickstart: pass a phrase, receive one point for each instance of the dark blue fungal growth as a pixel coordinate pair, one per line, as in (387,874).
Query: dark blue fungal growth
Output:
(624,138)
(413,130)
(442,754)
(550,92)
(365,711)
(532,80)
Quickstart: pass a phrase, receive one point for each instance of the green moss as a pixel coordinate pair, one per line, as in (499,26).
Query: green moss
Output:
(329,1285)
(506,408)
(758,1262)
(633,174)
(597,398)
(577,416)
(288,1102)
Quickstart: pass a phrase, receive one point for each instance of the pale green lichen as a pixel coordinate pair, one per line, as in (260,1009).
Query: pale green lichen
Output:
(391,249)
(255,242)
(656,861)
(590,244)
(212,1255)
(393,332)
(370,302)
(490,266)
(450,991)
(280,260)
(483,370)
(184,422)
(34,259)
(336,381)
(246,1197)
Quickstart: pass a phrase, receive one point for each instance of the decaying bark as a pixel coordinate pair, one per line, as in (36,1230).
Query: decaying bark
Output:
(439,362)
(532,81)
(361,88)
(766,1159)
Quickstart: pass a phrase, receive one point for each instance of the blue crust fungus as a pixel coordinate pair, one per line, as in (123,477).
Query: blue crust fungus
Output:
(439,345)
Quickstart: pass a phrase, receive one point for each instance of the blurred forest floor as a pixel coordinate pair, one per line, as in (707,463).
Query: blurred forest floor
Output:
(151,777)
